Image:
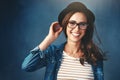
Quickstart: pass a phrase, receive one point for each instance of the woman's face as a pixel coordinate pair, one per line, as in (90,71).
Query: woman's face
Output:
(76,27)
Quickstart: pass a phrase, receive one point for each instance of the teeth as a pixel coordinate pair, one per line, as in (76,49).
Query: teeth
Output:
(75,34)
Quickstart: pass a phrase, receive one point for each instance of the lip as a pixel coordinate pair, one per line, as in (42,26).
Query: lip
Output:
(76,34)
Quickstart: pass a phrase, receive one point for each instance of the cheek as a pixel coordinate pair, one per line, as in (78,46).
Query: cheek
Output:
(68,31)
(83,32)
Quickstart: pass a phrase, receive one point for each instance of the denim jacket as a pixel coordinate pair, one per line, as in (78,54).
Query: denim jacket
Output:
(51,59)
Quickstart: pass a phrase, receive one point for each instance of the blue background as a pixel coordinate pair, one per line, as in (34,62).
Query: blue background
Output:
(25,23)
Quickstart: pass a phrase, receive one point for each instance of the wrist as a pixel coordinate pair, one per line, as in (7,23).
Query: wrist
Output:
(45,43)
(49,39)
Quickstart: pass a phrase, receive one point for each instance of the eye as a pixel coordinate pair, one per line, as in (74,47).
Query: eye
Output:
(83,24)
(72,22)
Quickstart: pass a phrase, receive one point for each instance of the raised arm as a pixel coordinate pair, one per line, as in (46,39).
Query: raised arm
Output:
(36,59)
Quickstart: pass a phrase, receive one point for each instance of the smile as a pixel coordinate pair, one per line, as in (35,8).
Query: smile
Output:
(75,34)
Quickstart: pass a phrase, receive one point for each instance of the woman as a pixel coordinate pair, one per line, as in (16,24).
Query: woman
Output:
(76,59)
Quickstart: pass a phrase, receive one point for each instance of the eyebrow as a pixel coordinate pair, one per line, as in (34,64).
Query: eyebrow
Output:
(79,22)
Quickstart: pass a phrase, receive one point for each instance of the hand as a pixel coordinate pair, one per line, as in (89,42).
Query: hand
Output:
(54,31)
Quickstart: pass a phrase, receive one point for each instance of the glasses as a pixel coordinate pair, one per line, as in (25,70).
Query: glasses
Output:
(81,25)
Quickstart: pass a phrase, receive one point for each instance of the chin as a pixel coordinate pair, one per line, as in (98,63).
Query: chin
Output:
(75,40)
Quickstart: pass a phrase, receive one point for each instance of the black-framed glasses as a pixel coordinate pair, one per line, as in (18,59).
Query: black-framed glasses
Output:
(82,25)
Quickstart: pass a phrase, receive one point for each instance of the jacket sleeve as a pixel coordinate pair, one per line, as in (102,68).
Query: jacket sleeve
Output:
(35,60)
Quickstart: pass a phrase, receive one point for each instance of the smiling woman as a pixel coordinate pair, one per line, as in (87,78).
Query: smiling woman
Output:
(75,32)
(78,58)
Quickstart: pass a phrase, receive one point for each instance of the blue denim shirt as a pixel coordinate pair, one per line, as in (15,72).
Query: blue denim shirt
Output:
(51,59)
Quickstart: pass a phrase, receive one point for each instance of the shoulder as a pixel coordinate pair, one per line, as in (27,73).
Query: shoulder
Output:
(57,47)
(54,48)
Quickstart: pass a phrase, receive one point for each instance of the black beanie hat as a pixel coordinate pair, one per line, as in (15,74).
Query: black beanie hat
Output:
(76,7)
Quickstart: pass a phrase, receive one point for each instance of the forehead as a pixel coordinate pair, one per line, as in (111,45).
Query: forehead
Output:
(78,17)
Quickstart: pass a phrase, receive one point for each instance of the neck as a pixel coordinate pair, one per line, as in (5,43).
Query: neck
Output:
(72,47)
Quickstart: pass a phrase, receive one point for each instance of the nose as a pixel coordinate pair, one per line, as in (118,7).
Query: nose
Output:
(77,28)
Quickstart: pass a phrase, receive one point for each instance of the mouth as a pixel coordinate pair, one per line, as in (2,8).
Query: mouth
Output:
(76,34)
